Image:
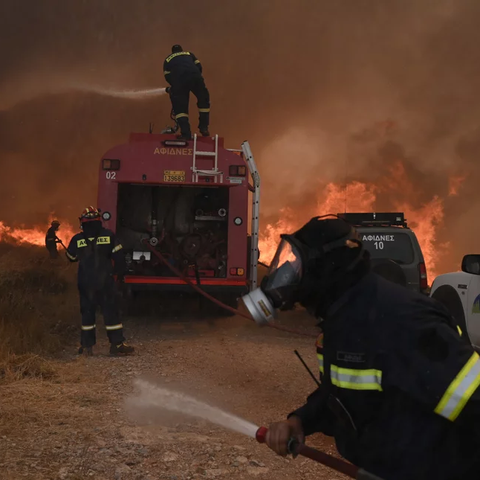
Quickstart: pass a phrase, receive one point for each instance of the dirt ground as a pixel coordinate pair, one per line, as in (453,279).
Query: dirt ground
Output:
(75,424)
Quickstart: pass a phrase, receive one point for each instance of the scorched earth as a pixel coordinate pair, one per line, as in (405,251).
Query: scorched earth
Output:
(73,424)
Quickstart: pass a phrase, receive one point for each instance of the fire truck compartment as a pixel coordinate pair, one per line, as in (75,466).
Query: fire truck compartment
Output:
(187,224)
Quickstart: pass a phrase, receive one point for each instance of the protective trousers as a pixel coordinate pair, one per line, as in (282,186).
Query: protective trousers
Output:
(52,249)
(90,299)
(180,97)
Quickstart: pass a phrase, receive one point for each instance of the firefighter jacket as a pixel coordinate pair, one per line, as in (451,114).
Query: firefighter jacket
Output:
(179,65)
(51,239)
(97,257)
(399,385)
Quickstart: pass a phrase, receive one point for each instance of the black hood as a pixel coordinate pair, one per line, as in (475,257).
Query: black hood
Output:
(92,229)
(331,275)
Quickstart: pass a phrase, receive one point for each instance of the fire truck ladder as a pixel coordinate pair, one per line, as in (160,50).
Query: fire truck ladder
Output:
(252,166)
(214,172)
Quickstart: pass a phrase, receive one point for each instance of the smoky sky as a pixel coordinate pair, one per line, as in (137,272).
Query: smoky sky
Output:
(306,82)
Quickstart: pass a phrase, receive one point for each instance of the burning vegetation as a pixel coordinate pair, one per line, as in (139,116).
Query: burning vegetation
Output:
(394,191)
(22,235)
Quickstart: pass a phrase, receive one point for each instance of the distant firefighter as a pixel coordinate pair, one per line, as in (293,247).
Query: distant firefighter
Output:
(99,257)
(183,71)
(51,239)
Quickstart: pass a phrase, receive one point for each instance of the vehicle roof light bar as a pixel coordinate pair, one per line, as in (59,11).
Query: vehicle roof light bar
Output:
(394,219)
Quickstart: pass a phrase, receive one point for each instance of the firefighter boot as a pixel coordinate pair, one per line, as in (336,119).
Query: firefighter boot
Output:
(184,128)
(121,349)
(87,351)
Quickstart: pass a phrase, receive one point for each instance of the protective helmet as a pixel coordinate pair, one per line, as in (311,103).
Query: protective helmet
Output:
(55,223)
(177,48)
(90,214)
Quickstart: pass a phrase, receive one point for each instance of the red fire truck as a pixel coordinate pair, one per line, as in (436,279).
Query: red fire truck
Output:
(190,201)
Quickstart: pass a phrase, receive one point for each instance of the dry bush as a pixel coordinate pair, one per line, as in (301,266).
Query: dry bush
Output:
(38,301)
(16,367)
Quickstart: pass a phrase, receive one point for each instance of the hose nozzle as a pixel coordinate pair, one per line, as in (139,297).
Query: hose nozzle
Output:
(261,435)
(295,448)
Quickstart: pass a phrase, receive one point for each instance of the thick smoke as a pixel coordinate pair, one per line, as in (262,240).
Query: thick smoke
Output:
(310,84)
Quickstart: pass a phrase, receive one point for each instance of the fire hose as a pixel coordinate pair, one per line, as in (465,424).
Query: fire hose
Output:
(62,244)
(296,448)
(180,275)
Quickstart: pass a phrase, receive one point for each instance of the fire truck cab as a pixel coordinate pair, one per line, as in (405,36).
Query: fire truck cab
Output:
(188,200)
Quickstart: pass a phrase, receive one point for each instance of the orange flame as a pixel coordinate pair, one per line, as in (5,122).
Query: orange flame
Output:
(425,221)
(35,235)
(361,197)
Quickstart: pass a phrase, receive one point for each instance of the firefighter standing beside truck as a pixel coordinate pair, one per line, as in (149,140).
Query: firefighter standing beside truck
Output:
(183,71)
(99,256)
(399,385)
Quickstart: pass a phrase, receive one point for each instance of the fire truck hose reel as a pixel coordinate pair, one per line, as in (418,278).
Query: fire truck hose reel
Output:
(180,275)
(295,448)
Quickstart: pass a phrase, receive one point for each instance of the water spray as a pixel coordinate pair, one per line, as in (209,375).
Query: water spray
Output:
(152,396)
(131,94)
(64,88)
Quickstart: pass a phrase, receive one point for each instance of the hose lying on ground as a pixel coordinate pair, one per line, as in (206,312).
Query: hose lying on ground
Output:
(180,275)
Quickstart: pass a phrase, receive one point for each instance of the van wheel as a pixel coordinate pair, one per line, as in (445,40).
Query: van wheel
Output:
(449,298)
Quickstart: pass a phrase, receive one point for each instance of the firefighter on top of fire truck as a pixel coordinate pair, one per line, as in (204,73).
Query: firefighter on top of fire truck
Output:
(99,257)
(51,239)
(183,71)
(399,385)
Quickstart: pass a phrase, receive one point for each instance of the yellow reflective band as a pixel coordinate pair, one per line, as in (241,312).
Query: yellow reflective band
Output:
(353,379)
(88,327)
(71,257)
(204,110)
(197,61)
(117,248)
(173,55)
(100,241)
(181,115)
(103,240)
(459,331)
(166,72)
(114,327)
(460,390)
(320,362)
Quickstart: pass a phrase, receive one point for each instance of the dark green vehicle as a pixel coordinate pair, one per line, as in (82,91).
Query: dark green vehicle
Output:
(394,249)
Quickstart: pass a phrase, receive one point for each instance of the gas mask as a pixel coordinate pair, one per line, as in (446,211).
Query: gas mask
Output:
(288,276)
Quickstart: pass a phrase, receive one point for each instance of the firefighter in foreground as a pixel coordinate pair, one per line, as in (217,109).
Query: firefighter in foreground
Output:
(183,71)
(399,385)
(51,239)
(99,257)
